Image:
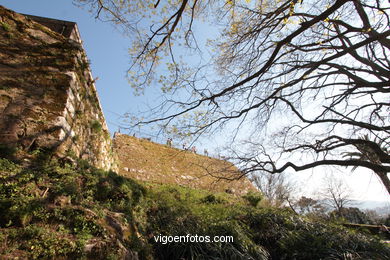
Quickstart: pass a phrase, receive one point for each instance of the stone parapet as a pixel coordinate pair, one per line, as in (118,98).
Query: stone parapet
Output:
(48,99)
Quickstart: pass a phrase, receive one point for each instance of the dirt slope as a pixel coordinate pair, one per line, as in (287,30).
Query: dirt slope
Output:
(148,161)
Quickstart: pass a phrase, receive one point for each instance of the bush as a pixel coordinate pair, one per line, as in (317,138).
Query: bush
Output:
(29,199)
(96,126)
(286,235)
(211,198)
(40,242)
(7,167)
(179,221)
(33,225)
(253,198)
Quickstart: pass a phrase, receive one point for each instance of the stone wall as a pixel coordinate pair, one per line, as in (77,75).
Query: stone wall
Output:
(47,95)
(144,160)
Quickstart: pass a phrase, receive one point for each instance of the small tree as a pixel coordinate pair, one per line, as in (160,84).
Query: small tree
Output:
(275,187)
(373,216)
(308,206)
(336,194)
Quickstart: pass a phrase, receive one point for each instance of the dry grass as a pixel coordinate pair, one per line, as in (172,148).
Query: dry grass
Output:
(148,161)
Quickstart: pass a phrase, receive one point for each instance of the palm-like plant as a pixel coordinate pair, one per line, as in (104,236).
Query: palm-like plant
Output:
(366,151)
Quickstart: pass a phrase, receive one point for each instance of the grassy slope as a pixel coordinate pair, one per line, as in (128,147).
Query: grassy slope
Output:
(52,210)
(149,161)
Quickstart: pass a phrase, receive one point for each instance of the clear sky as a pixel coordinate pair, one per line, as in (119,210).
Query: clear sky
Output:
(107,50)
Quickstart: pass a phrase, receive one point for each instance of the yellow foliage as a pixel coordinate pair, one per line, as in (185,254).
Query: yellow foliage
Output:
(234,28)
(368,30)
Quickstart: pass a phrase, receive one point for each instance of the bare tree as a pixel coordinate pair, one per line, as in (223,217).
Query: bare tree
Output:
(275,187)
(305,79)
(373,216)
(336,194)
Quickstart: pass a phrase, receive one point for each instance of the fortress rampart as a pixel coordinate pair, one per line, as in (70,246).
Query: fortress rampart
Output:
(47,94)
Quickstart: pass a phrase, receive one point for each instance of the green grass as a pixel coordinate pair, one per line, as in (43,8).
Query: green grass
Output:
(54,210)
(68,205)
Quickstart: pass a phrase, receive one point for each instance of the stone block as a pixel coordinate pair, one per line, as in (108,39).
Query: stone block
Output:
(49,99)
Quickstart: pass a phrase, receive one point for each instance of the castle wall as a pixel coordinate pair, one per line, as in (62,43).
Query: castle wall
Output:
(144,160)
(47,93)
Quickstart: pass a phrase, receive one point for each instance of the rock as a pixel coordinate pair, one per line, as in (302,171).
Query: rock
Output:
(53,106)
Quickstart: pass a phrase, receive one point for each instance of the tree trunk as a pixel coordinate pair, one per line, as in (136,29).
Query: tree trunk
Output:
(385,180)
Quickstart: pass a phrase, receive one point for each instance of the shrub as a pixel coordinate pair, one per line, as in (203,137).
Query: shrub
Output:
(286,235)
(253,198)
(96,126)
(5,26)
(7,167)
(34,227)
(211,198)
(179,221)
(40,242)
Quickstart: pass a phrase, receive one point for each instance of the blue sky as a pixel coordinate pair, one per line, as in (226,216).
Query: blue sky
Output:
(105,46)
(107,49)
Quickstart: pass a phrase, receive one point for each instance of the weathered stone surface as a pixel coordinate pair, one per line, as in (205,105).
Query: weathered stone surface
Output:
(47,96)
(148,161)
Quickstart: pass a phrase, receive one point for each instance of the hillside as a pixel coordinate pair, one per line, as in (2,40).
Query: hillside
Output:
(52,210)
(67,207)
(148,161)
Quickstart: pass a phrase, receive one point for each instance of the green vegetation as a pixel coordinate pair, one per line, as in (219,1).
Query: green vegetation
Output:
(84,63)
(5,26)
(52,210)
(49,209)
(253,198)
(96,126)
(106,135)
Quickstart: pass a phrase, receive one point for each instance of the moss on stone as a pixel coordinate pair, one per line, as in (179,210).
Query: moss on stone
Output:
(6,27)
(40,62)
